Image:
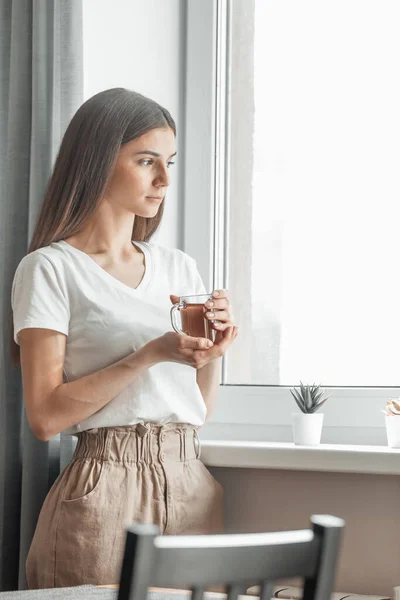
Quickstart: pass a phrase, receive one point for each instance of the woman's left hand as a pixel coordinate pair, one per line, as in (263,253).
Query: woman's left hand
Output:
(220,310)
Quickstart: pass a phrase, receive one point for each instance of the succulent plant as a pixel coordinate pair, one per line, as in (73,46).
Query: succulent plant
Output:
(393,407)
(310,398)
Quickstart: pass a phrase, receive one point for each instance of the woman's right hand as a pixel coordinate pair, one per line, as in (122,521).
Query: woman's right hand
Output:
(193,351)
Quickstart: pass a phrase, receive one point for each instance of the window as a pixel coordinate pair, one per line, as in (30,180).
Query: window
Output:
(302,114)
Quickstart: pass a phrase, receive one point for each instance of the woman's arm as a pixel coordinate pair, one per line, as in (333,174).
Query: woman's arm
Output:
(208,379)
(51,405)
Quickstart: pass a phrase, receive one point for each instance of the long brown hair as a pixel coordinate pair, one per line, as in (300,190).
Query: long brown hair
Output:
(85,162)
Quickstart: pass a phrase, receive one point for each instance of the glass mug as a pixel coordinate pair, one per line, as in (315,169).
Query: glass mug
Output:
(193,316)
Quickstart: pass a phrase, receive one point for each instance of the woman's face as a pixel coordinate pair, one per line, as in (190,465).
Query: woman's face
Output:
(141,175)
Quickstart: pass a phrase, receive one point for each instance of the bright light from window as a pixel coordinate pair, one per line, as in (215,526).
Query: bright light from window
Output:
(324,259)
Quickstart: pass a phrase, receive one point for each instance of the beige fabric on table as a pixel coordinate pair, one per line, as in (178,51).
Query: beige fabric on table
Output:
(147,473)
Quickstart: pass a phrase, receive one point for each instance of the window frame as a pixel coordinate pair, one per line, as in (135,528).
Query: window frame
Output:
(353,414)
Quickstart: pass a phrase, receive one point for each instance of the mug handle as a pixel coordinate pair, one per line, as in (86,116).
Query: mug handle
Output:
(174,308)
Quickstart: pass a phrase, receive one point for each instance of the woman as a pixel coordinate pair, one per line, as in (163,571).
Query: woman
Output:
(91,307)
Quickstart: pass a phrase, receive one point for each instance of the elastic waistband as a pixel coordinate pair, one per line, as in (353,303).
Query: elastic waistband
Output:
(141,443)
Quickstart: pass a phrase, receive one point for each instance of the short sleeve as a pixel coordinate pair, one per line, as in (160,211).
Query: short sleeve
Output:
(38,296)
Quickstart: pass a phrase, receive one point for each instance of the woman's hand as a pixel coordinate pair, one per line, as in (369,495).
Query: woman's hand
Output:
(195,349)
(187,350)
(220,309)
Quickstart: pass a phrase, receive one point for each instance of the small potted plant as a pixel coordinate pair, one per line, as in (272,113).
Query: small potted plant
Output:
(392,423)
(307,426)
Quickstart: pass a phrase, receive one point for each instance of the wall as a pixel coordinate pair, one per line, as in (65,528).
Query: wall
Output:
(141,46)
(266,500)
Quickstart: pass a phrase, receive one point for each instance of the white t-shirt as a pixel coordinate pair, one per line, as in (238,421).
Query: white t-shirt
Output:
(62,288)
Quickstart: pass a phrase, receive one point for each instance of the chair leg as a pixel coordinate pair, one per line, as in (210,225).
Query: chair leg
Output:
(234,591)
(197,593)
(267,590)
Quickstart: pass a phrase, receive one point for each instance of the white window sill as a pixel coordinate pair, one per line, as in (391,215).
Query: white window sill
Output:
(325,457)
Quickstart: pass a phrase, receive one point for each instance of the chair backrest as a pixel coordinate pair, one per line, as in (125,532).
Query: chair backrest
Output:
(232,560)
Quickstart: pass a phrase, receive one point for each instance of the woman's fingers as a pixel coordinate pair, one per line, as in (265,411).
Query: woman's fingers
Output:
(222,326)
(195,343)
(224,339)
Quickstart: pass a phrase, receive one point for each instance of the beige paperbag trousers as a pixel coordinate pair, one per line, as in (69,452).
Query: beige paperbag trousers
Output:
(147,473)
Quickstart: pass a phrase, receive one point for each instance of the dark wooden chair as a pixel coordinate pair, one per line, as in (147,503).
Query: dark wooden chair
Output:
(234,560)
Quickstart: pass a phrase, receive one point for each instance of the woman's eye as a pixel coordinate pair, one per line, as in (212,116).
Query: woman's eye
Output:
(148,161)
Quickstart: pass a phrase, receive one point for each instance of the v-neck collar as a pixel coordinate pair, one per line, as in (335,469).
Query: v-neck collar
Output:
(148,266)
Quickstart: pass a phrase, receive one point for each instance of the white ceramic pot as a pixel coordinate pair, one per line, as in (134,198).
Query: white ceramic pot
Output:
(307,429)
(393,430)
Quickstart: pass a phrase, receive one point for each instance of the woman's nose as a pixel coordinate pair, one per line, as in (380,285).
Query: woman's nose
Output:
(162,177)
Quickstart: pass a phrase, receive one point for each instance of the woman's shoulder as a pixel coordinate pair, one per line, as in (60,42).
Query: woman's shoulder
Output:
(43,255)
(168,254)
(47,258)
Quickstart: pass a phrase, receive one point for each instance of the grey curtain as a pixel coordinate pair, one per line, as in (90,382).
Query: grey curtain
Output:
(41,86)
